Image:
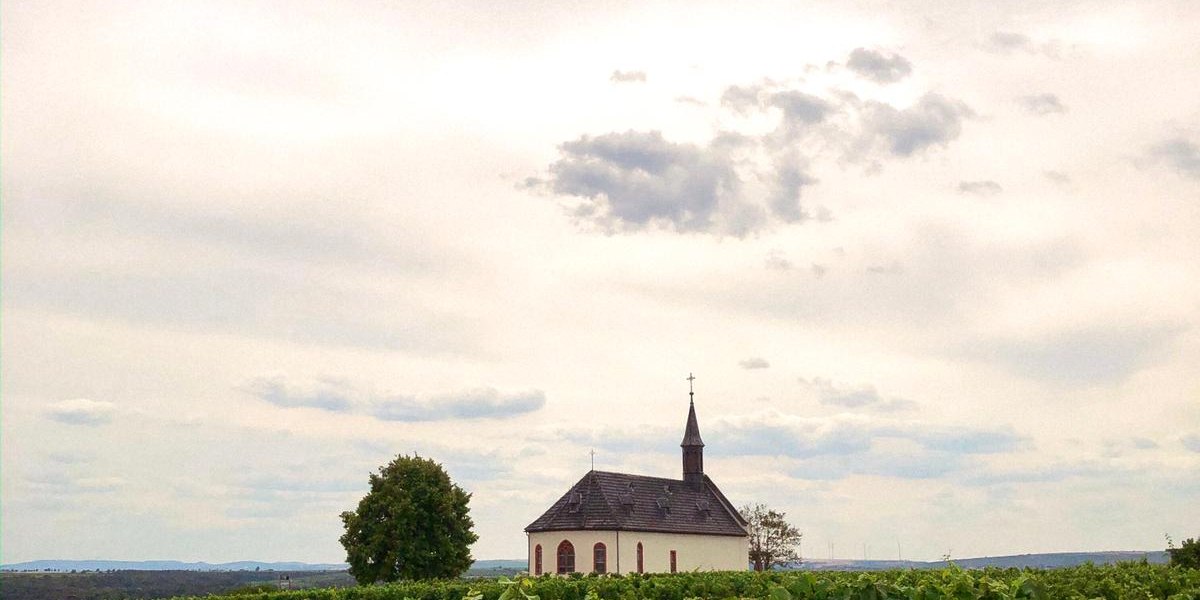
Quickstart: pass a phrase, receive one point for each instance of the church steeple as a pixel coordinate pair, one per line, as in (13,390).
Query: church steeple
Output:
(693,446)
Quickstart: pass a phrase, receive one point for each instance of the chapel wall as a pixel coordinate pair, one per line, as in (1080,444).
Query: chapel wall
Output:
(692,551)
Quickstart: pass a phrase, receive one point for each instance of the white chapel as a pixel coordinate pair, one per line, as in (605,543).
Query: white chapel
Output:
(623,523)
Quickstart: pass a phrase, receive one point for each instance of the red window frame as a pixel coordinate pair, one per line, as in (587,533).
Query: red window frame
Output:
(600,558)
(640,558)
(537,560)
(672,561)
(566,558)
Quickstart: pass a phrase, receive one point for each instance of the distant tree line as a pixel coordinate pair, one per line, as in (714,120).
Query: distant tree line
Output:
(112,585)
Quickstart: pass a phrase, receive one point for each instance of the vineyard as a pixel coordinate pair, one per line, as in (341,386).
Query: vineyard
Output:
(1125,581)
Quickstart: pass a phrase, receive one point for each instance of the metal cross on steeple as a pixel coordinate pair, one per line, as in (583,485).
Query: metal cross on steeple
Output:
(691,389)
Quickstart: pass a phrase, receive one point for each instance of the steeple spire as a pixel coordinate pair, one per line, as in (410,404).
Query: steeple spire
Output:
(693,446)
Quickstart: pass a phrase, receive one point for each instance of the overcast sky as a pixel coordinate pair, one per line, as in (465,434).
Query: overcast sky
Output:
(936,267)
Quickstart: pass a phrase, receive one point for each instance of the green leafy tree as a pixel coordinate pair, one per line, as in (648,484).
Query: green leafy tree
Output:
(413,524)
(773,540)
(1187,555)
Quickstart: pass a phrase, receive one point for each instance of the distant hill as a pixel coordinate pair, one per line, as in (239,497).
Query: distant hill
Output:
(167,565)
(483,568)
(1043,561)
(480,567)
(495,568)
(516,563)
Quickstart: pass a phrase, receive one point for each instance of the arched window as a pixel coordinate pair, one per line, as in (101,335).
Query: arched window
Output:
(599,558)
(537,560)
(566,558)
(641,567)
(672,561)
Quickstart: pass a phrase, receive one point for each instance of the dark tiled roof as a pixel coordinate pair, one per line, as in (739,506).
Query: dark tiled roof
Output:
(603,500)
(691,433)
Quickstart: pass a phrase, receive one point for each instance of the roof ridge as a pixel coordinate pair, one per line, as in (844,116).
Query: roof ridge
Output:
(640,476)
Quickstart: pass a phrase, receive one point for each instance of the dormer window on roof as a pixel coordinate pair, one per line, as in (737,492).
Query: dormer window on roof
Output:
(664,504)
(574,501)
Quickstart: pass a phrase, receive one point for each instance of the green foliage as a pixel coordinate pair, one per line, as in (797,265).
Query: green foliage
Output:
(1123,581)
(1187,555)
(772,539)
(413,524)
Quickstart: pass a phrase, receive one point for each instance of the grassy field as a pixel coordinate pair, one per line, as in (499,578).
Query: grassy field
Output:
(1111,582)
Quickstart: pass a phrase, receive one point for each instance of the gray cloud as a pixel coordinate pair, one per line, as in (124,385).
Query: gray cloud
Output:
(741,99)
(789,180)
(980,188)
(911,465)
(105,208)
(808,437)
(60,483)
(777,261)
(756,362)
(799,107)
(833,449)
(234,281)
(328,394)
(299,482)
(1007,41)
(934,120)
(798,439)
(961,440)
(1057,177)
(623,440)
(865,396)
(1092,356)
(690,100)
(879,67)
(484,403)
(823,448)
(944,274)
(81,411)
(1142,443)
(1192,442)
(1042,104)
(635,180)
(1179,153)
(628,77)
(892,268)
(1040,474)
(339,396)
(251,300)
